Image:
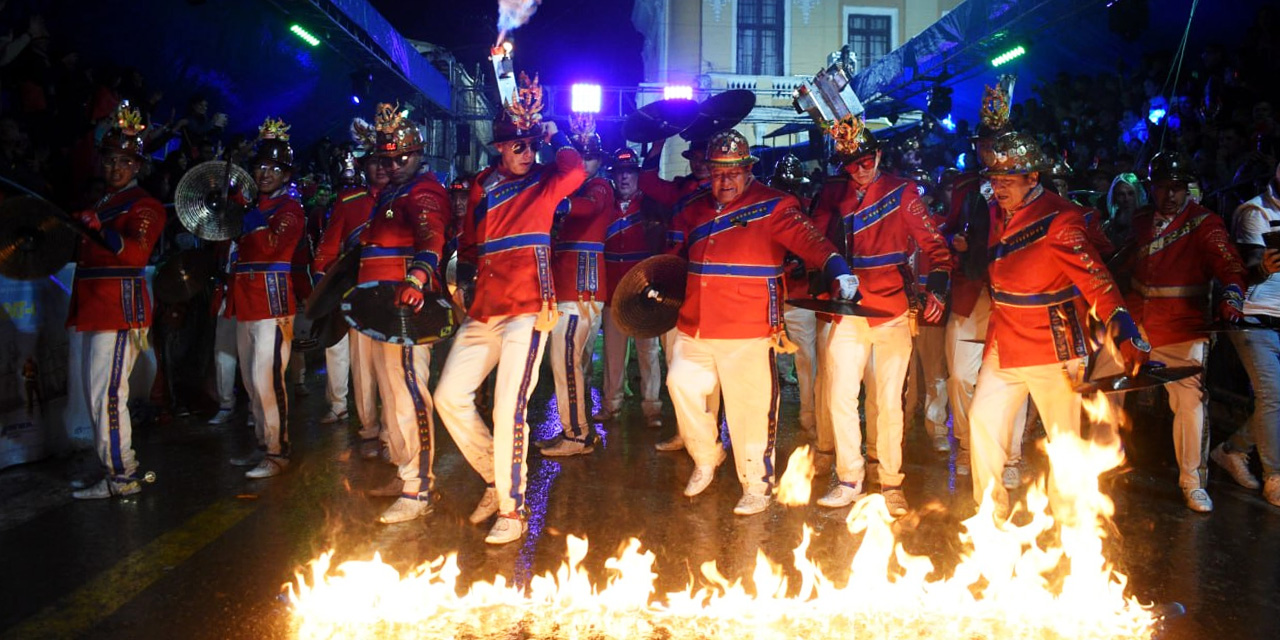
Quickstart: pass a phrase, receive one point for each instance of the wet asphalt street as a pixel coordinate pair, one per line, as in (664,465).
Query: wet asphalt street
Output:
(203,552)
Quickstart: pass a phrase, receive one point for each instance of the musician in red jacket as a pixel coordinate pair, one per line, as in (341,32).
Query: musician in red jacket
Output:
(110,306)
(1046,278)
(506,236)
(1181,247)
(675,194)
(578,269)
(347,219)
(637,231)
(735,238)
(402,243)
(260,297)
(877,218)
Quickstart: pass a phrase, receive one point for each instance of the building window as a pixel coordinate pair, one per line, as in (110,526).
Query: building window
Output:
(870,36)
(761,25)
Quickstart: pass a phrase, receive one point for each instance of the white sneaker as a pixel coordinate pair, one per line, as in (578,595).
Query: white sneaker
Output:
(392,488)
(567,447)
(674,443)
(405,509)
(841,495)
(269,467)
(896,501)
(1271,490)
(107,488)
(508,528)
(250,459)
(751,504)
(1197,499)
(487,506)
(223,416)
(702,476)
(1011,477)
(942,444)
(333,417)
(1236,464)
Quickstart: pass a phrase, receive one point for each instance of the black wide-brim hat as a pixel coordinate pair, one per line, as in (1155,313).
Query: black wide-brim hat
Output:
(504,130)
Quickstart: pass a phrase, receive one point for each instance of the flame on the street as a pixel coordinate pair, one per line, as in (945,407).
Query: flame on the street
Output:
(797,481)
(512,14)
(1030,576)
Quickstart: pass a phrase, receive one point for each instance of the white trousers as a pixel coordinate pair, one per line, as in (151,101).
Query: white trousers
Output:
(747,374)
(571,343)
(930,364)
(850,345)
(107,360)
(511,344)
(337,366)
(402,373)
(802,329)
(964,358)
(362,348)
(1186,399)
(224,361)
(615,369)
(826,438)
(1001,396)
(263,347)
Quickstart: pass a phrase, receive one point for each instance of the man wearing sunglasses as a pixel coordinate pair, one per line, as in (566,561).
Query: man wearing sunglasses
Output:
(506,237)
(401,243)
(577,265)
(877,219)
(730,325)
(348,216)
(110,306)
(261,299)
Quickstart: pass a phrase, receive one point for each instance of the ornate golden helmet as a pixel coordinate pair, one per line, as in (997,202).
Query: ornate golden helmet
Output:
(395,133)
(273,143)
(853,139)
(729,149)
(126,136)
(1013,153)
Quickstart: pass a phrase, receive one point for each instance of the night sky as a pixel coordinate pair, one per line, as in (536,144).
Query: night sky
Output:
(566,41)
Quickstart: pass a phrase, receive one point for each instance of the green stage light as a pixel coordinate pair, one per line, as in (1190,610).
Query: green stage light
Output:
(1016,52)
(304,34)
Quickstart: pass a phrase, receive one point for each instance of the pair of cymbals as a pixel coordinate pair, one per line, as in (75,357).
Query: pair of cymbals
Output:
(373,309)
(1147,377)
(692,120)
(837,307)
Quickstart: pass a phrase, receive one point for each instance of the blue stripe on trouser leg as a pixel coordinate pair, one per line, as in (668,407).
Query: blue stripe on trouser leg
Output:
(423,412)
(773,421)
(517,435)
(571,377)
(113,403)
(282,392)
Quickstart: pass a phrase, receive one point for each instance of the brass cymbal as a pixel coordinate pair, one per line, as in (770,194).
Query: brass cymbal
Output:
(646,302)
(203,203)
(1148,376)
(337,281)
(719,112)
(372,309)
(837,307)
(659,120)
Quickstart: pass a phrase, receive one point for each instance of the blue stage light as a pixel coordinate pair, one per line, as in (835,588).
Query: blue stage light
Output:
(355,99)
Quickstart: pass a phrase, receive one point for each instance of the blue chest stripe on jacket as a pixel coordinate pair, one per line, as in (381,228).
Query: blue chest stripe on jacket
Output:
(726,221)
(856,221)
(1025,237)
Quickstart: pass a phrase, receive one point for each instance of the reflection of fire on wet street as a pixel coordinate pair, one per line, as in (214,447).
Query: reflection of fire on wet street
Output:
(1030,576)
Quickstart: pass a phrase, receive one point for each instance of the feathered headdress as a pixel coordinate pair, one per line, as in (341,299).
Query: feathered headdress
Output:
(274,129)
(526,111)
(847,134)
(128,119)
(363,134)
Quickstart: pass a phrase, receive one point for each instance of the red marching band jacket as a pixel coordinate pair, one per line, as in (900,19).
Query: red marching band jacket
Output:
(965,291)
(347,217)
(796,279)
(1046,277)
(404,229)
(110,291)
(629,237)
(506,234)
(879,228)
(1170,273)
(734,288)
(577,258)
(260,263)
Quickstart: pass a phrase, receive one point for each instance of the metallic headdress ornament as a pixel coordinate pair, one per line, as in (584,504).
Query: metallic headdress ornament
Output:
(274,129)
(852,137)
(363,135)
(993,116)
(729,149)
(128,119)
(1014,153)
(526,111)
(396,134)
(388,117)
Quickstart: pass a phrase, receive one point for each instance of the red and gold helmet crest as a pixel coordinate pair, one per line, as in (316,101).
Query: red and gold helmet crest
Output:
(993,115)
(847,134)
(526,111)
(128,119)
(273,129)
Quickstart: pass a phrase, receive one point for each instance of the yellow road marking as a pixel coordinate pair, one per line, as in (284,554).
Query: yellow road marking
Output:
(83,609)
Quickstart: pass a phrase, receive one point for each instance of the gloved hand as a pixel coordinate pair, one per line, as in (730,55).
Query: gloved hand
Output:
(89,218)
(1134,349)
(1231,307)
(934,307)
(409,295)
(846,287)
